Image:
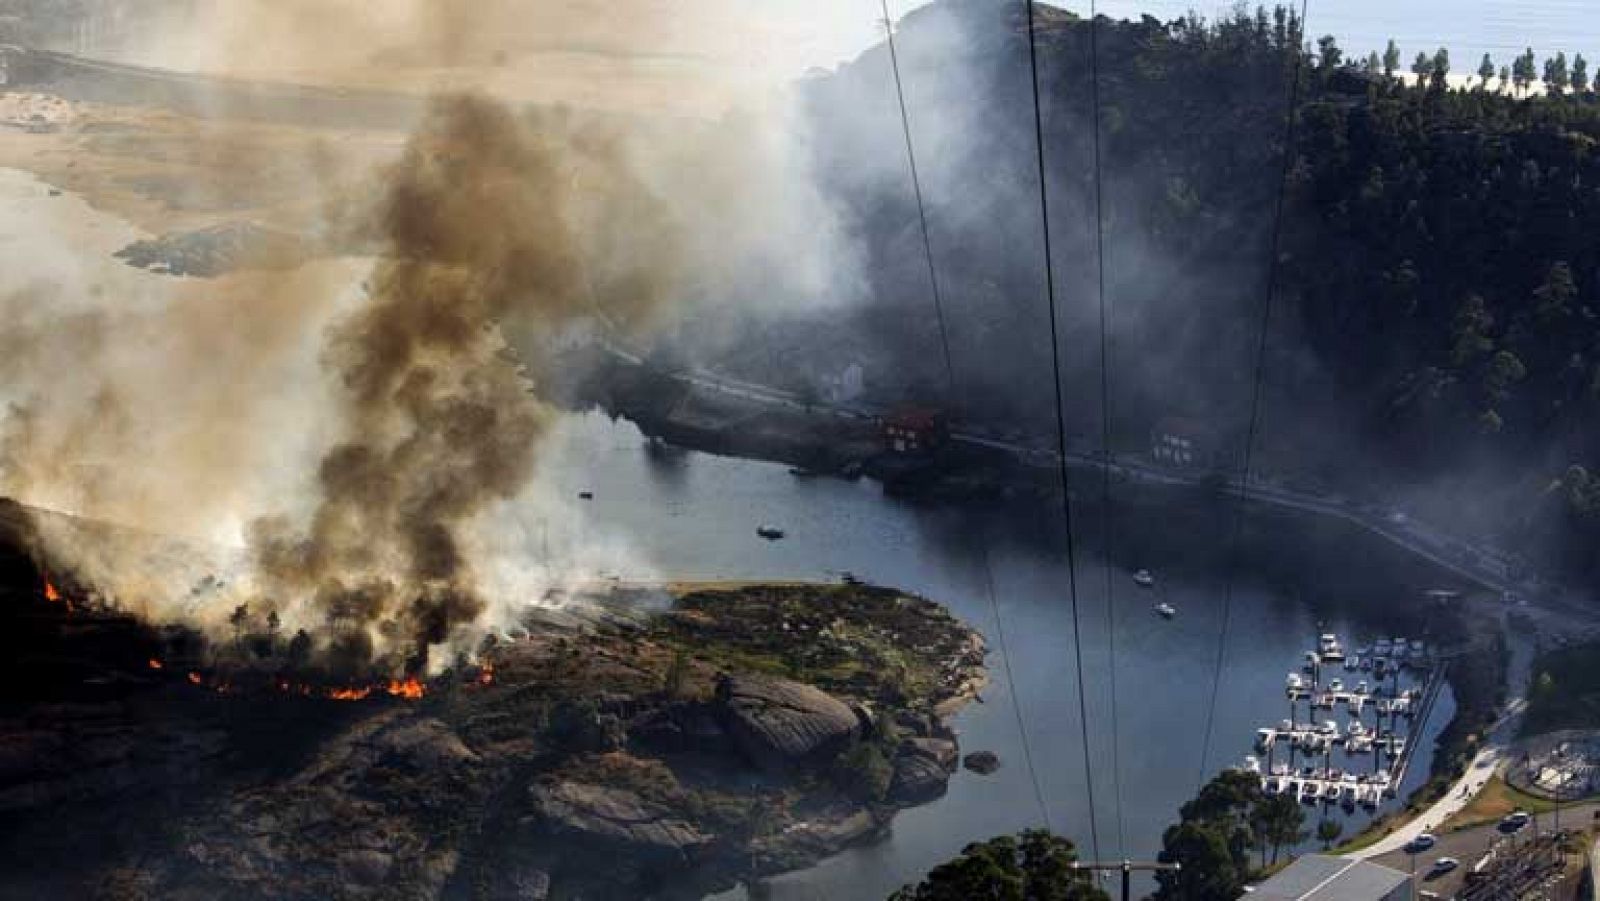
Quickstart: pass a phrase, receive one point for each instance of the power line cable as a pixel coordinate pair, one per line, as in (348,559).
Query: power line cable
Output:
(950,378)
(916,185)
(1061,426)
(1236,534)
(1105,427)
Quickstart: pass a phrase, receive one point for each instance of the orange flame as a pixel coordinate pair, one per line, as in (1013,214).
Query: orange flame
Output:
(349,694)
(50,592)
(410,689)
(155,664)
(486,674)
(194,678)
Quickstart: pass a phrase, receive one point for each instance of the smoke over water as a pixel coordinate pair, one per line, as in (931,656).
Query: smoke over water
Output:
(355,442)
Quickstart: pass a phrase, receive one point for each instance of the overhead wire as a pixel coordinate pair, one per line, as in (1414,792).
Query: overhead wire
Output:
(1105,428)
(950,379)
(1061,426)
(1236,533)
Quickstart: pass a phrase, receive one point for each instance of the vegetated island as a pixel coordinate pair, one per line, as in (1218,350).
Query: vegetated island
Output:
(619,749)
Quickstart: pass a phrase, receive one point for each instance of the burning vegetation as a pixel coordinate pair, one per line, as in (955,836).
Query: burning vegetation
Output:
(438,422)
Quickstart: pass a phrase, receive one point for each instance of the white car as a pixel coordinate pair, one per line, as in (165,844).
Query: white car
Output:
(1443,865)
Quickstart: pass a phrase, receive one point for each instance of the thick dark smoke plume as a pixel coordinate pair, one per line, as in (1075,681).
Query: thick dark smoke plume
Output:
(477,226)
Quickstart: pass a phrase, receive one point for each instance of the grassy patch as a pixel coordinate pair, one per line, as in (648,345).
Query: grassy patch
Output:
(1565,692)
(1495,801)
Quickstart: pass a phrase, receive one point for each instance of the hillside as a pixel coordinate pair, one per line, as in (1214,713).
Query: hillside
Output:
(1431,342)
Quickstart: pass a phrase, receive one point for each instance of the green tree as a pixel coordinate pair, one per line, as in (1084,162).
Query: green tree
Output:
(1422,67)
(1328,832)
(1555,74)
(1580,74)
(1439,71)
(1485,72)
(1504,371)
(1035,866)
(1522,71)
(1555,295)
(1391,58)
(1328,53)
(1277,822)
(1505,79)
(1206,868)
(1374,65)
(1472,325)
(238,619)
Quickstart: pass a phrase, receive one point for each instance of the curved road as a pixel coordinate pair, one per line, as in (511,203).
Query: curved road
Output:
(1485,764)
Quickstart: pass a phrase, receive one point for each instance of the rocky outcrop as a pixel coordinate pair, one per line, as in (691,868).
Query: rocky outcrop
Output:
(919,776)
(781,724)
(615,816)
(941,749)
(522,883)
(982,762)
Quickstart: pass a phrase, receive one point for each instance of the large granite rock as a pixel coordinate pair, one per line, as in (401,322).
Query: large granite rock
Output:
(919,777)
(781,724)
(615,816)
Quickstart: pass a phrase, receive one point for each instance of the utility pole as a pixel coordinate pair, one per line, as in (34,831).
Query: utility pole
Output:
(1127,867)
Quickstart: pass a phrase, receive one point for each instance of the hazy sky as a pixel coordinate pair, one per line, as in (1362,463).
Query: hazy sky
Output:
(1469,28)
(661,53)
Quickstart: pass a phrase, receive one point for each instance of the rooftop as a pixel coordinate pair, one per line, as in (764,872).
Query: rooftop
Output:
(1317,877)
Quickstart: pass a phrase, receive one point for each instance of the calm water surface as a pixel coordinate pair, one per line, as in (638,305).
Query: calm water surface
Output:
(693,516)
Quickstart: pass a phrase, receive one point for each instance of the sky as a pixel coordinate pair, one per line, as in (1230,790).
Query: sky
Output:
(1469,28)
(700,55)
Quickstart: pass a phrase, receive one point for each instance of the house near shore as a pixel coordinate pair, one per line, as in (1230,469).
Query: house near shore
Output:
(1319,877)
(1184,443)
(915,431)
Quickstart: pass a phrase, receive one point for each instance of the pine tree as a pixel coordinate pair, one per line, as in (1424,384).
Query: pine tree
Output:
(1580,74)
(1421,68)
(1440,70)
(1555,74)
(1505,78)
(1485,72)
(1391,59)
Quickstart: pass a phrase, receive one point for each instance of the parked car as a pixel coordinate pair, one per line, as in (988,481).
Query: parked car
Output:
(1442,866)
(1513,822)
(1421,843)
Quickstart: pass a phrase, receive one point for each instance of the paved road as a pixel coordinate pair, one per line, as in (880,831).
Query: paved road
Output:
(1469,846)
(1488,761)
(1480,564)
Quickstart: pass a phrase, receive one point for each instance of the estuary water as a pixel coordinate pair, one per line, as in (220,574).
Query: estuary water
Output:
(688,515)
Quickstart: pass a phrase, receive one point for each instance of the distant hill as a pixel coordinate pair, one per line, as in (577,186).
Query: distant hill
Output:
(1435,333)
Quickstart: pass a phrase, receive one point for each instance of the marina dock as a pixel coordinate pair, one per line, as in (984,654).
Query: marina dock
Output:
(1383,719)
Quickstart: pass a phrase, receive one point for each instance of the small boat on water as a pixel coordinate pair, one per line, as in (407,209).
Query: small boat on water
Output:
(1265,739)
(800,472)
(1329,647)
(771,533)
(1144,578)
(1166,610)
